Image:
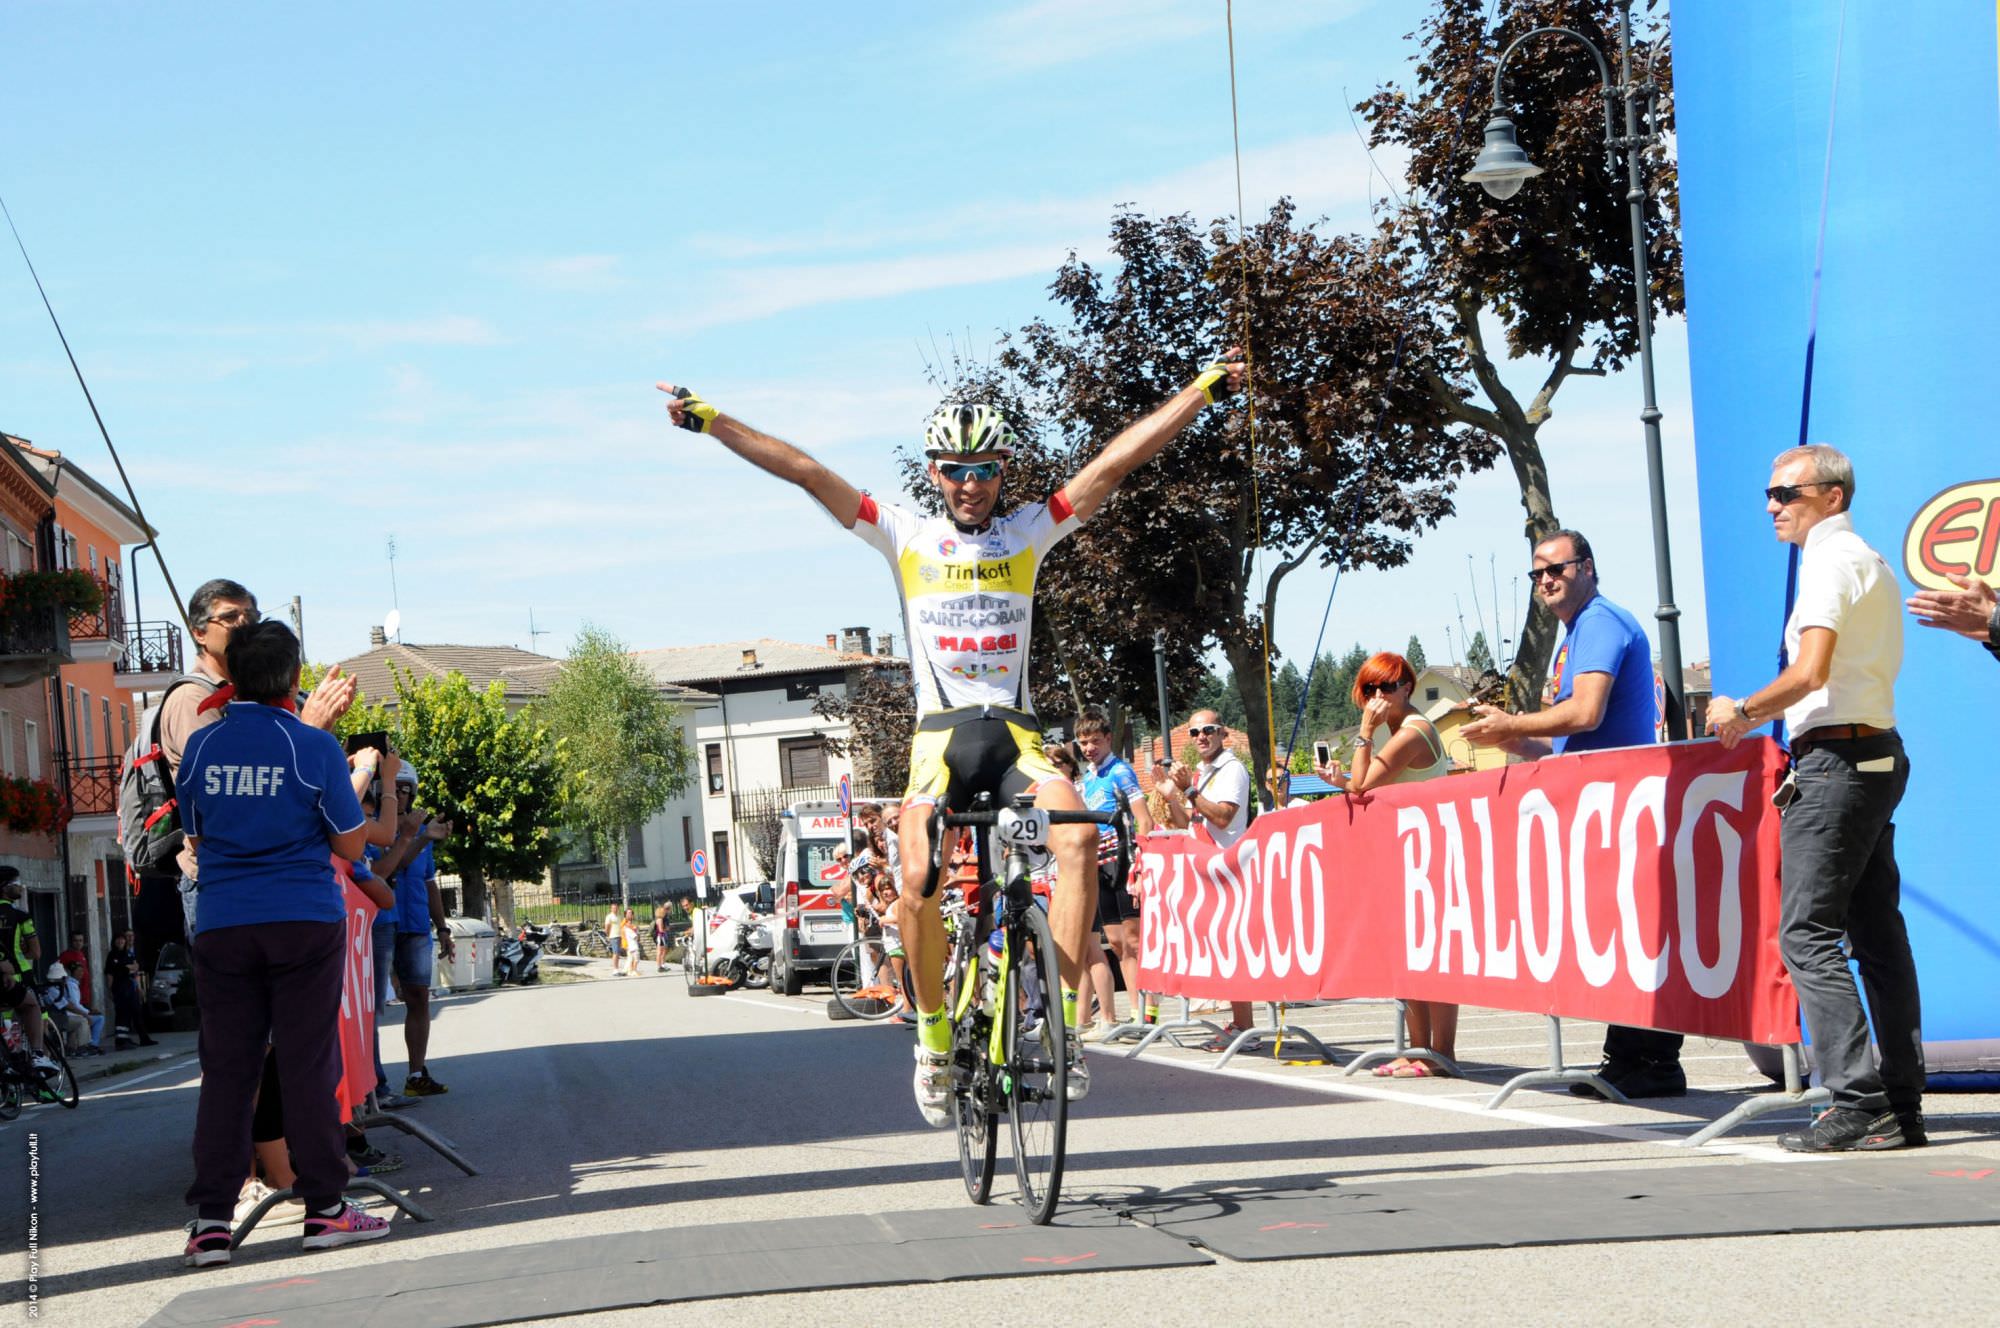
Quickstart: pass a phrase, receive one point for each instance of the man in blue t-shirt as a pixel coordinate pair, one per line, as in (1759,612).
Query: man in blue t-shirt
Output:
(1602,697)
(1109,783)
(267,803)
(419,913)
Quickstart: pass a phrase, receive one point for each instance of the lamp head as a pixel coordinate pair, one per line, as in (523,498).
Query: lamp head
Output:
(1502,167)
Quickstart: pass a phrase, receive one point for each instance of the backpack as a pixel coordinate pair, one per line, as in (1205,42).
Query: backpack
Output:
(149,823)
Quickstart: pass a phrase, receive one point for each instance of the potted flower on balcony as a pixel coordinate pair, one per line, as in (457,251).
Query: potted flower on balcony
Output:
(32,806)
(35,609)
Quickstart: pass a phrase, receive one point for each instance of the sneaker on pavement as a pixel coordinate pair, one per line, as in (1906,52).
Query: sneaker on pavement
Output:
(206,1246)
(421,1084)
(1095,1032)
(392,1101)
(1637,1079)
(253,1193)
(345,1227)
(1846,1130)
(1076,1084)
(377,1162)
(933,1085)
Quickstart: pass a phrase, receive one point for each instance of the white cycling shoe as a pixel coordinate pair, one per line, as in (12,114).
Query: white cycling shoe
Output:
(933,1085)
(1077,1083)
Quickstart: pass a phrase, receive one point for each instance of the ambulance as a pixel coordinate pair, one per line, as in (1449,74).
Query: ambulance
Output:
(810,929)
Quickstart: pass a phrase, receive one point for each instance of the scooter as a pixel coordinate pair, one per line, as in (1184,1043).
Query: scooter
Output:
(519,958)
(749,965)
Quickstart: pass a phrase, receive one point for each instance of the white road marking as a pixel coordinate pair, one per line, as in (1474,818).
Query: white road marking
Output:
(1343,1088)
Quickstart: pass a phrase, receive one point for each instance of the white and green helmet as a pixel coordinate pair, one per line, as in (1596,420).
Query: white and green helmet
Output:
(969,429)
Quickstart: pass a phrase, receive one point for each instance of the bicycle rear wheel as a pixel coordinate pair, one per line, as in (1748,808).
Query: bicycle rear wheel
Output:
(1036,1046)
(972,1090)
(847,988)
(63,1084)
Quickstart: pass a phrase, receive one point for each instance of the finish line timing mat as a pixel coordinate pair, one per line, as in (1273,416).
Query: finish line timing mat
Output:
(1160,1229)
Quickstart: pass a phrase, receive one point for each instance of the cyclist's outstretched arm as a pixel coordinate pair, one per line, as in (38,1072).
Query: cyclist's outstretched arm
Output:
(761,450)
(1141,442)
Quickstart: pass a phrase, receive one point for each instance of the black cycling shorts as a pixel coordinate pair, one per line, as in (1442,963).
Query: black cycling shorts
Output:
(1114,905)
(958,754)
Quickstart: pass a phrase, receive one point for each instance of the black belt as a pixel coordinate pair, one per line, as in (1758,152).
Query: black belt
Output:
(951,719)
(1827,733)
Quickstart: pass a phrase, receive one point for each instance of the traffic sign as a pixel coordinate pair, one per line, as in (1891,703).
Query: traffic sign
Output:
(698,864)
(846,796)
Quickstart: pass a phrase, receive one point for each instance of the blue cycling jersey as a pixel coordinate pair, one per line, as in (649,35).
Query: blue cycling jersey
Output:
(1108,788)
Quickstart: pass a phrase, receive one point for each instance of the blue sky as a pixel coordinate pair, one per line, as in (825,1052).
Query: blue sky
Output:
(342,272)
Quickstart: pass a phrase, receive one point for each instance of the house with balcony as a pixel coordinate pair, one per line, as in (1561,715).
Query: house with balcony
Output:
(34,647)
(758,747)
(114,659)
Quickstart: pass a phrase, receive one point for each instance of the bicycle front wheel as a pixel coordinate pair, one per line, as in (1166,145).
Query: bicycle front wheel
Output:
(972,1088)
(860,1002)
(1036,1048)
(61,1086)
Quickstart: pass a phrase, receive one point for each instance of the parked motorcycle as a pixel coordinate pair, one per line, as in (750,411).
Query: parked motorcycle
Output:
(518,958)
(749,965)
(559,939)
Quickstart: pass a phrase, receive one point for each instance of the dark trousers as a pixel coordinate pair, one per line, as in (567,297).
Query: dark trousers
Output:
(276,985)
(1840,879)
(1634,1046)
(129,1005)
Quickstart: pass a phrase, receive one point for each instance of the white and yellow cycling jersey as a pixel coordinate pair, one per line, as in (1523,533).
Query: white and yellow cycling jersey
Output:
(968,597)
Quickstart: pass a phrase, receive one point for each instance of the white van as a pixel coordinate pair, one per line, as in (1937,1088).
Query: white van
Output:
(811,927)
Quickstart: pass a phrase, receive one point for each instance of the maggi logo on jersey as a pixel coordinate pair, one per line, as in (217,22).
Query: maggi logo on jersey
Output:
(960,644)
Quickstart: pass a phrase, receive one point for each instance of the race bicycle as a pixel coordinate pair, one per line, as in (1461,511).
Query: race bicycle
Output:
(21,1082)
(1003,995)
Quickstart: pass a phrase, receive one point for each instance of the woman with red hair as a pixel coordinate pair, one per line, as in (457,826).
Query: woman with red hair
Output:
(1399,746)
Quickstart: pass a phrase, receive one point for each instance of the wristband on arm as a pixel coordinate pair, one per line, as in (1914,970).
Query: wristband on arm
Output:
(1213,382)
(697,415)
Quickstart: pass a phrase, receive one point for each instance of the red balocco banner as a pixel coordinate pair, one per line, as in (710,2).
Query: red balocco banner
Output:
(357,998)
(1637,886)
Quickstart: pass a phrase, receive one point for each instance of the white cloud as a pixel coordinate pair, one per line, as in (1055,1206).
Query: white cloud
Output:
(1323,174)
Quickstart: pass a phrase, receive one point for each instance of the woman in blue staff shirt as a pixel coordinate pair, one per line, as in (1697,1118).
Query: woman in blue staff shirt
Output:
(265,800)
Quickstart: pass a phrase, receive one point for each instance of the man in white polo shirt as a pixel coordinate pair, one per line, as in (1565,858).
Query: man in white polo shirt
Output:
(1216,794)
(1845,643)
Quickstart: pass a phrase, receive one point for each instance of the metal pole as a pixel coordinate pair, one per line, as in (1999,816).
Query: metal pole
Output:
(1635,195)
(1160,680)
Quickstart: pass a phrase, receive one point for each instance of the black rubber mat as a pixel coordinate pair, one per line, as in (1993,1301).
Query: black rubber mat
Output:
(1514,1209)
(588,1273)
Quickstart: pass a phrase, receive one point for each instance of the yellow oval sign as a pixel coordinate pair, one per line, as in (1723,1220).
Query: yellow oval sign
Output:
(1956,532)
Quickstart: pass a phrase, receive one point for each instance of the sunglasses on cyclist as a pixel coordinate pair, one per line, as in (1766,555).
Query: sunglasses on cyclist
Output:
(958,472)
(1784,495)
(1553,570)
(1206,730)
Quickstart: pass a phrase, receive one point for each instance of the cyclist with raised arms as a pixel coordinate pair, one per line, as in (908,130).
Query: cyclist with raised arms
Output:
(967,582)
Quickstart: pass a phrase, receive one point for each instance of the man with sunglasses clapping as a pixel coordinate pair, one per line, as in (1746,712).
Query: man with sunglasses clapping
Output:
(1601,696)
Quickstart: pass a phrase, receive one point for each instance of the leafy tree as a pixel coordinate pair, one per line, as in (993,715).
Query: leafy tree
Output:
(1414,652)
(1479,655)
(1200,542)
(1550,267)
(492,774)
(1218,693)
(619,744)
(879,706)
(1287,691)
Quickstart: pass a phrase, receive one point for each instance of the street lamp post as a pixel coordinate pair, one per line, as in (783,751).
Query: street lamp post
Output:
(1501,169)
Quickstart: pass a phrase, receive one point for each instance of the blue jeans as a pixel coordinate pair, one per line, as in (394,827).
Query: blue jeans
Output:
(383,939)
(1840,879)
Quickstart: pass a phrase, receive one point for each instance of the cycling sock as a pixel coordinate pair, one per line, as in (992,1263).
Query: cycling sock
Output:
(1069,1008)
(933,1033)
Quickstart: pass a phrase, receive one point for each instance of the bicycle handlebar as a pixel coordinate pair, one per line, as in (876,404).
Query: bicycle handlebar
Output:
(941,820)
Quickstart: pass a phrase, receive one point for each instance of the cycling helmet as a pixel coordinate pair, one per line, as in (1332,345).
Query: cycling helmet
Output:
(406,774)
(970,428)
